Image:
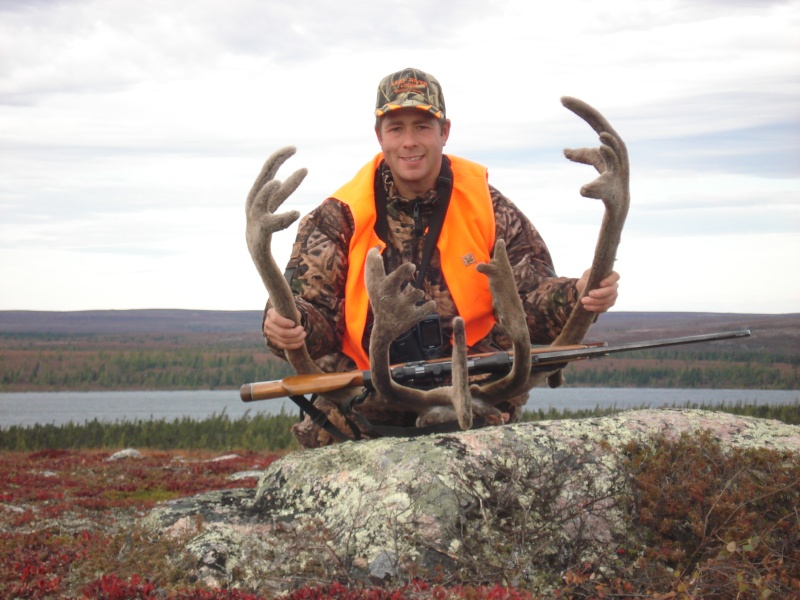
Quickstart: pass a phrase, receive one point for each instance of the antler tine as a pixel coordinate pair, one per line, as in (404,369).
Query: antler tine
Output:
(270,169)
(265,197)
(461,397)
(589,114)
(511,315)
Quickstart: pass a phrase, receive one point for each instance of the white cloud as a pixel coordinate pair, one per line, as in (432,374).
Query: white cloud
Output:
(132,132)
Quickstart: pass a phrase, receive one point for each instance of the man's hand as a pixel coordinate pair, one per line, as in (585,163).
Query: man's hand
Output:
(601,299)
(282,332)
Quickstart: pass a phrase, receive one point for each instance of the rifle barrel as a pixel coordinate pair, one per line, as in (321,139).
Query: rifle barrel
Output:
(557,356)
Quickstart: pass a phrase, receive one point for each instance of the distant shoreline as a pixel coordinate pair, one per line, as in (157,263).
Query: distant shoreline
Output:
(193,321)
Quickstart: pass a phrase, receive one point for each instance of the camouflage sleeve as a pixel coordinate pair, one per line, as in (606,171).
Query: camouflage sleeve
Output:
(547,298)
(317,271)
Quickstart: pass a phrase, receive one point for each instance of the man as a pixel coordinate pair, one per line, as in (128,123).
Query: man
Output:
(399,201)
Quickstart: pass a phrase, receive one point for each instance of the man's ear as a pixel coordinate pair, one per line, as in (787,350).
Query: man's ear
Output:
(378,131)
(445,130)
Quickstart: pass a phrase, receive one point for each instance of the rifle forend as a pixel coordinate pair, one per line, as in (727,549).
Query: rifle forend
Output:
(433,372)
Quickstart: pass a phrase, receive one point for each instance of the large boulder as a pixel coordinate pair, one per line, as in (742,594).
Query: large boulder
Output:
(515,504)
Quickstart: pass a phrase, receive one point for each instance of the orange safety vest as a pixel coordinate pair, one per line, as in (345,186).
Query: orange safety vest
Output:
(467,238)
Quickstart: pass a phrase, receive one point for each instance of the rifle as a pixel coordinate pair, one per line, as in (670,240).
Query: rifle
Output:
(433,372)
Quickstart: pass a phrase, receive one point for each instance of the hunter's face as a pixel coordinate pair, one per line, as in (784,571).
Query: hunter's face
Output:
(412,142)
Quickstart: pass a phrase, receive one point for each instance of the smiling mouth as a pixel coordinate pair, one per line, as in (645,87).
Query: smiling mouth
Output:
(411,158)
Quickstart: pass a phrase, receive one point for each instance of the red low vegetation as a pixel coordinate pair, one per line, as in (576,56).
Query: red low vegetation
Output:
(708,524)
(66,514)
(61,510)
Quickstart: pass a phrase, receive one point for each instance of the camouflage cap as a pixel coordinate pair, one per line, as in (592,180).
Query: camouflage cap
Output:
(410,88)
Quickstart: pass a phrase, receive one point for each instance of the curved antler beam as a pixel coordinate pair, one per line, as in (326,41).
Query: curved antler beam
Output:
(265,198)
(612,187)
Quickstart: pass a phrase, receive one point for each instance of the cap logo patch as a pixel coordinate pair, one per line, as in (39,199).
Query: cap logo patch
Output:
(409,85)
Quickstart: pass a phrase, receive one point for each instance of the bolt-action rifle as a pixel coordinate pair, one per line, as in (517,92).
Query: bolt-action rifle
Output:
(434,372)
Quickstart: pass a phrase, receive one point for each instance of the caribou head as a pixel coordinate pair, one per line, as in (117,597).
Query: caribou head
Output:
(396,307)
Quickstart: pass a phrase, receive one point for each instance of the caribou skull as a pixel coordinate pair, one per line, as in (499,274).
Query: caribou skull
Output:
(396,309)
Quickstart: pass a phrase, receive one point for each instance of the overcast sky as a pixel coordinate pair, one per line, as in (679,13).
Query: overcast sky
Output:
(132,132)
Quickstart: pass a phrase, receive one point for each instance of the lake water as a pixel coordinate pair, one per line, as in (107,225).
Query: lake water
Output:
(29,408)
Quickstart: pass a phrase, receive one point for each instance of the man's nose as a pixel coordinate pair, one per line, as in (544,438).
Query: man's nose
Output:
(408,138)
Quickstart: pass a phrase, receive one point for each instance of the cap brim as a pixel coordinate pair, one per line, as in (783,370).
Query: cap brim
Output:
(429,108)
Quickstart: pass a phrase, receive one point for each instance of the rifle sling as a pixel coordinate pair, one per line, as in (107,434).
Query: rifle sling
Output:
(320,419)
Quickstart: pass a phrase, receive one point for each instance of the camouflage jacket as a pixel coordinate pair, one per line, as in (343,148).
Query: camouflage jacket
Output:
(319,264)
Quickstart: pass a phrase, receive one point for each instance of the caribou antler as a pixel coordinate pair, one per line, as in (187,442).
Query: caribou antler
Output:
(265,197)
(612,187)
(396,311)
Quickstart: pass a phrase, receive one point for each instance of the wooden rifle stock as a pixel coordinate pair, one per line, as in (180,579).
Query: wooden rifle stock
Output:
(541,358)
(300,385)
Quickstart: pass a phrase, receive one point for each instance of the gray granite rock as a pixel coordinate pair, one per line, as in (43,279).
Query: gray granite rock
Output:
(520,501)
